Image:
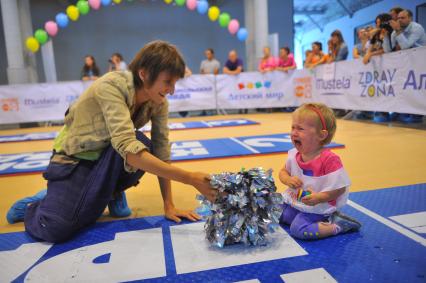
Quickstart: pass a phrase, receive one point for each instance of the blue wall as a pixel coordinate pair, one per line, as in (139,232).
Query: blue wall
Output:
(125,28)
(347,25)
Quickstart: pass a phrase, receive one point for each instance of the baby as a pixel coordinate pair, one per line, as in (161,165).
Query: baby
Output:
(318,183)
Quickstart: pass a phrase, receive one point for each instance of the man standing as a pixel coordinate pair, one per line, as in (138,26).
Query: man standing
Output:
(233,65)
(406,33)
(210,65)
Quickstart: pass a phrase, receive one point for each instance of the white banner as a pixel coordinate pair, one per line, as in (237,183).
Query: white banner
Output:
(254,90)
(38,102)
(394,82)
(196,92)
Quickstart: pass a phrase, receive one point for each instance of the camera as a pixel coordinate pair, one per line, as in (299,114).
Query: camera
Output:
(385,22)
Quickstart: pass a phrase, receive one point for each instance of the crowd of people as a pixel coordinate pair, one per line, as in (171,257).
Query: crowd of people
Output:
(233,65)
(393,31)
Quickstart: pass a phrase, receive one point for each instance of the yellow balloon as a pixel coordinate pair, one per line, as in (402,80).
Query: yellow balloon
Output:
(32,44)
(73,13)
(168,1)
(213,13)
(116,1)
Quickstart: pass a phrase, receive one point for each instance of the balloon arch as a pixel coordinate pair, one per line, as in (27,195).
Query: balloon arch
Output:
(83,7)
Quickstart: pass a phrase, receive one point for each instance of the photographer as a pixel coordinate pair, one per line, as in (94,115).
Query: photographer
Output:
(377,36)
(406,33)
(116,63)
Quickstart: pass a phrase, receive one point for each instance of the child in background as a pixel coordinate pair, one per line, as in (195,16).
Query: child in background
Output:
(318,183)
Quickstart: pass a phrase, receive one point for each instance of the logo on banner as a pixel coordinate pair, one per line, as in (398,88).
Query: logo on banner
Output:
(42,102)
(185,93)
(9,104)
(333,86)
(376,84)
(256,85)
(303,87)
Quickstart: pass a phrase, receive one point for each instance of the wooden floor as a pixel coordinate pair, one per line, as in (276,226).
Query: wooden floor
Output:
(375,156)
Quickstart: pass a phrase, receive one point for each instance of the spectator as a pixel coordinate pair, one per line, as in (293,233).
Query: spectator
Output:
(268,63)
(406,33)
(210,65)
(308,54)
(328,58)
(315,57)
(90,70)
(360,49)
(286,60)
(233,65)
(340,50)
(376,35)
(394,12)
(117,63)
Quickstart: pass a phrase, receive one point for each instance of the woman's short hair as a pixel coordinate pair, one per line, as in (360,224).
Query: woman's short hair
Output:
(156,57)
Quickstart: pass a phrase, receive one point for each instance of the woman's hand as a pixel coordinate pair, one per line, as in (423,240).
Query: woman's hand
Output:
(201,181)
(175,214)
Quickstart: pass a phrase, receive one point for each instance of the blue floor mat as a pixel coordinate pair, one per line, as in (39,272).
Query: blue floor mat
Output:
(147,128)
(33,162)
(104,253)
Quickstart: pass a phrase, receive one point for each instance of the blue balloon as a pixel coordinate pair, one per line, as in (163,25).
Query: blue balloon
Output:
(202,6)
(242,34)
(62,20)
(105,2)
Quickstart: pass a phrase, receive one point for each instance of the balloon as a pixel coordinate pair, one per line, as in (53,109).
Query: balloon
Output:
(242,34)
(213,13)
(202,7)
(105,2)
(61,20)
(224,20)
(51,27)
(233,26)
(41,36)
(116,1)
(73,13)
(191,4)
(83,7)
(180,3)
(32,44)
(168,1)
(95,4)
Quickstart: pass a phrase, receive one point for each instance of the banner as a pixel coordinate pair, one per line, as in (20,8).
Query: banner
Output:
(38,102)
(393,82)
(254,90)
(196,92)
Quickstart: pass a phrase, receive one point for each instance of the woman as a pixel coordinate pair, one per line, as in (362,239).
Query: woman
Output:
(286,60)
(360,49)
(340,50)
(97,155)
(90,70)
(315,57)
(268,63)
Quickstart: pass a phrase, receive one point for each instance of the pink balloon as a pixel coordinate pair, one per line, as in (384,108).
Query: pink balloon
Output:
(95,4)
(191,4)
(51,27)
(233,26)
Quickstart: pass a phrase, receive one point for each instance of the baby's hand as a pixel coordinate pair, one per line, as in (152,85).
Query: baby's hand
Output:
(311,199)
(294,182)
